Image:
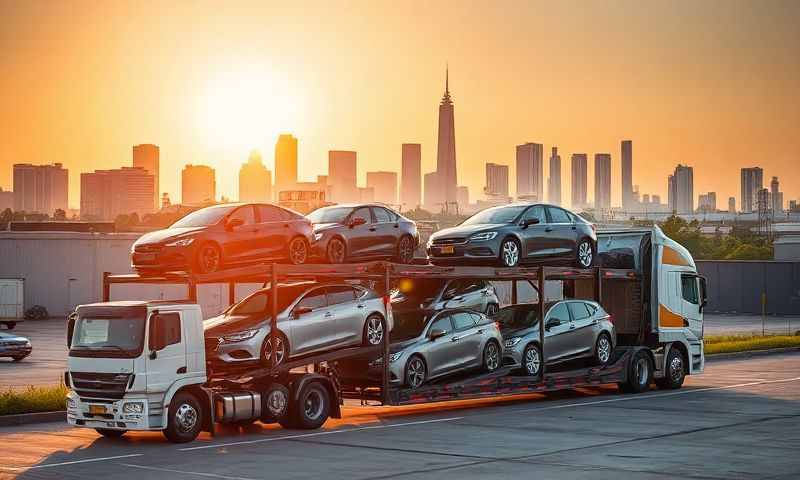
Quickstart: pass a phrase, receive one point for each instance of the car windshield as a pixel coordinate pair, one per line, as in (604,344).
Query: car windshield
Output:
(518,316)
(329,215)
(114,336)
(495,215)
(203,217)
(408,325)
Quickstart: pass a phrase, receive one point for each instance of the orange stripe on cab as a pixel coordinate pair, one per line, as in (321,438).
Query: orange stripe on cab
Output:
(671,257)
(668,319)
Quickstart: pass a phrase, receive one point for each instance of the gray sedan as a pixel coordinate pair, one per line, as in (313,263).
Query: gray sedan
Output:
(573,329)
(312,318)
(14,346)
(445,342)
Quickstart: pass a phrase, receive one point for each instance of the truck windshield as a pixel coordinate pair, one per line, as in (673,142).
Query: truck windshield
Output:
(106,336)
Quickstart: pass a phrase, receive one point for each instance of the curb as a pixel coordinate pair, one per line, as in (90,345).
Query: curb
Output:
(27,418)
(750,353)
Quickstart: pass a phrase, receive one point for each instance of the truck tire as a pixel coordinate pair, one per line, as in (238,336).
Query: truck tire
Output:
(640,373)
(312,407)
(184,419)
(674,371)
(109,433)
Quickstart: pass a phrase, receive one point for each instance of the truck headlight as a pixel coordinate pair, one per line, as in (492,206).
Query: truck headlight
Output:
(510,342)
(71,404)
(183,242)
(239,336)
(133,407)
(483,236)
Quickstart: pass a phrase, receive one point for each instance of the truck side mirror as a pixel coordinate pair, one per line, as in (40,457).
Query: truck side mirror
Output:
(71,327)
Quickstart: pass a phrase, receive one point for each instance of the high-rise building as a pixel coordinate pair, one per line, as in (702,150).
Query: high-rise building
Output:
(40,188)
(530,173)
(146,156)
(285,163)
(776,196)
(626,156)
(602,181)
(554,181)
(342,176)
(6,201)
(433,192)
(255,180)
(681,190)
(411,175)
(198,185)
(496,180)
(385,186)
(707,202)
(579,180)
(105,194)
(656,199)
(793,206)
(731,204)
(752,180)
(446,152)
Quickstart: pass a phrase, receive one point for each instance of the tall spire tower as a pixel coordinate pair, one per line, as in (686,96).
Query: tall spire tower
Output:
(446,176)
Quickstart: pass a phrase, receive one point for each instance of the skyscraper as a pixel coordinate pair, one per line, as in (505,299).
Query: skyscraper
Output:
(681,184)
(671,193)
(40,188)
(707,202)
(628,201)
(105,194)
(752,180)
(554,182)
(776,196)
(579,180)
(285,163)
(342,176)
(433,192)
(198,185)
(146,156)
(731,204)
(602,181)
(529,171)
(255,180)
(446,152)
(496,180)
(411,175)
(385,186)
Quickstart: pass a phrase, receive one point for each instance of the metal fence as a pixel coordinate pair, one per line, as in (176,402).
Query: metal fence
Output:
(752,287)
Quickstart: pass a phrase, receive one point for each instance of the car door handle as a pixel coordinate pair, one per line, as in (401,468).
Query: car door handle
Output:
(572,326)
(360,305)
(372,229)
(548,229)
(455,339)
(328,314)
(396,226)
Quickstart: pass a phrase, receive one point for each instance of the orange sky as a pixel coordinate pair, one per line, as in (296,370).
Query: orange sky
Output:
(714,84)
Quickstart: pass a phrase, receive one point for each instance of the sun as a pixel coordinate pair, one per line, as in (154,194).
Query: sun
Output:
(248,107)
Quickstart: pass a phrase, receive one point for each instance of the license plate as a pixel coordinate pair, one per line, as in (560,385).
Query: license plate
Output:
(448,249)
(97,409)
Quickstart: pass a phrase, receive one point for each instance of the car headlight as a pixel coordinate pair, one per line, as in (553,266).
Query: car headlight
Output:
(483,236)
(71,403)
(133,407)
(239,336)
(317,236)
(393,357)
(27,343)
(183,242)
(510,342)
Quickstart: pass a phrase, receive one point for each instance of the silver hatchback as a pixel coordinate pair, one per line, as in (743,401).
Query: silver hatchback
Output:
(573,329)
(312,318)
(445,342)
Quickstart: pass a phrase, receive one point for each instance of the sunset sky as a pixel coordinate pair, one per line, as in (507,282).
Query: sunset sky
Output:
(712,84)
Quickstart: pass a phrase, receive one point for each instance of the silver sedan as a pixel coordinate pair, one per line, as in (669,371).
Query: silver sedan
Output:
(445,342)
(573,329)
(312,318)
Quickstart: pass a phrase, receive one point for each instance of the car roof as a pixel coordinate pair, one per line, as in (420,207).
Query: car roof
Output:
(358,205)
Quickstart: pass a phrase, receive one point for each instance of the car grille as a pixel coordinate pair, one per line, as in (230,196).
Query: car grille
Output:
(450,241)
(100,385)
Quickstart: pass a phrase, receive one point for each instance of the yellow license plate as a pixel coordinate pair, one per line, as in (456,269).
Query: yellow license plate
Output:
(448,249)
(97,409)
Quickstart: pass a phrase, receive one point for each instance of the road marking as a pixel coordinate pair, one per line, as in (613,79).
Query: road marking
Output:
(73,462)
(185,472)
(316,434)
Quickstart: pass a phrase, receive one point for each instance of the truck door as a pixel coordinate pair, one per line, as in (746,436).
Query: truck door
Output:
(691,303)
(166,361)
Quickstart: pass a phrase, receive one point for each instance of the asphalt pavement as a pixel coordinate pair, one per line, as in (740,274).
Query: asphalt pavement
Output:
(740,420)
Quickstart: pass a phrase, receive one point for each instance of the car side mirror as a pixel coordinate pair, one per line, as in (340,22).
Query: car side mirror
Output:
(529,221)
(234,223)
(354,222)
(553,322)
(297,312)
(436,333)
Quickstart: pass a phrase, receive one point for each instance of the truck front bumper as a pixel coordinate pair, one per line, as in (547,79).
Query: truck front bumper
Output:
(129,413)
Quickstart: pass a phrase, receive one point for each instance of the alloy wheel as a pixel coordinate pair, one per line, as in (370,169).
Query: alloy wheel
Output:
(532,361)
(374,330)
(405,250)
(492,356)
(603,349)
(186,418)
(676,368)
(280,352)
(209,259)
(585,254)
(510,253)
(336,251)
(298,252)
(415,372)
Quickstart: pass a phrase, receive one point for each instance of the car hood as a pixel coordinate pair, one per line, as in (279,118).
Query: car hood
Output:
(160,236)
(518,332)
(399,346)
(225,324)
(321,227)
(467,230)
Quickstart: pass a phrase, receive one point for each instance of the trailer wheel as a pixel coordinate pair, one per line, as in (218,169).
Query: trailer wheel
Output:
(184,418)
(675,371)
(640,373)
(312,407)
(109,433)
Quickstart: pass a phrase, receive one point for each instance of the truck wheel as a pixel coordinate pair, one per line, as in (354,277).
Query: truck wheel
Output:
(108,433)
(313,407)
(184,418)
(674,371)
(640,373)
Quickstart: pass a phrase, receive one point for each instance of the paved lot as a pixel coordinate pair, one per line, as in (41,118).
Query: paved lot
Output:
(741,419)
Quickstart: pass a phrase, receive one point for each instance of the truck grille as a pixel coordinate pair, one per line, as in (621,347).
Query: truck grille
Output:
(450,241)
(100,385)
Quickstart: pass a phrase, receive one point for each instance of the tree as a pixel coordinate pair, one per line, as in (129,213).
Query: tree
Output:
(6,216)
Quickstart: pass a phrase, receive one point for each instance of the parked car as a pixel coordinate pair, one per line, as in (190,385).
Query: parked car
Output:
(515,234)
(358,232)
(573,329)
(219,236)
(436,294)
(311,318)
(14,346)
(426,347)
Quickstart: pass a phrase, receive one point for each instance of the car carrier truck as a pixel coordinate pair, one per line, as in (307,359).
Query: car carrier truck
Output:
(151,372)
